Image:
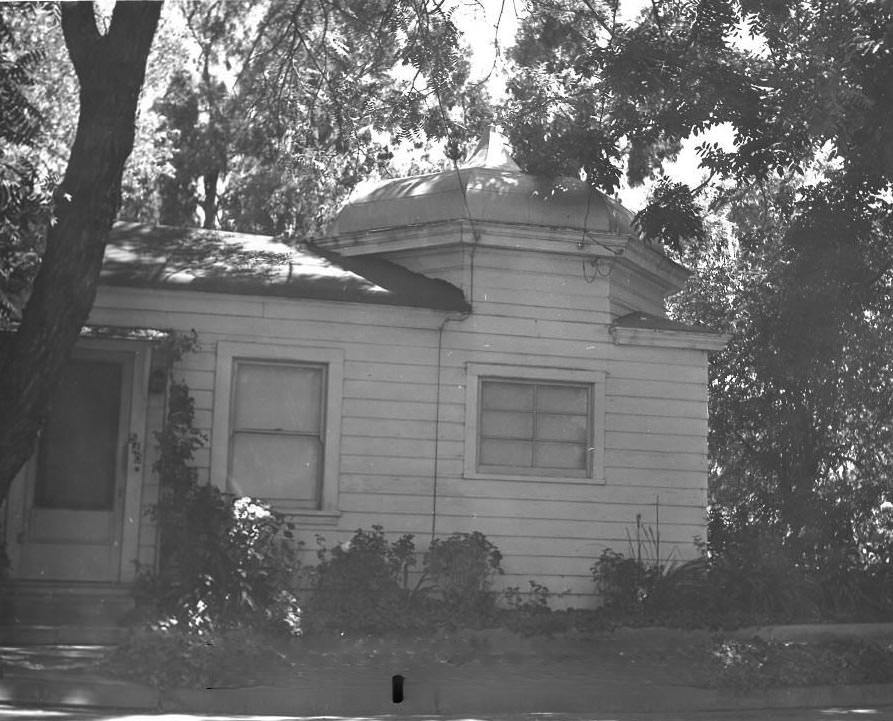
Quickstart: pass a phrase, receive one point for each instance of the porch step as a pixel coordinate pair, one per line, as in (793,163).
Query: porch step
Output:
(46,636)
(47,605)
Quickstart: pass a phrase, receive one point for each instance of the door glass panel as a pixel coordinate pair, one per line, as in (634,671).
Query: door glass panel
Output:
(79,446)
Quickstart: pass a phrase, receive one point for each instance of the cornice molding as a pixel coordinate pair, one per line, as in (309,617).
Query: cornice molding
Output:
(711,342)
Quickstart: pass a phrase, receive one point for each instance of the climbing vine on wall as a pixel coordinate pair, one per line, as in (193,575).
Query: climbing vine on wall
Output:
(223,561)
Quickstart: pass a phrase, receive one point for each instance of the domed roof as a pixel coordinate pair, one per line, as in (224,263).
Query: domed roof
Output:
(489,187)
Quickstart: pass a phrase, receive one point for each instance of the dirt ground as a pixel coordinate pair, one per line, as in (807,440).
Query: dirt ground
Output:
(660,656)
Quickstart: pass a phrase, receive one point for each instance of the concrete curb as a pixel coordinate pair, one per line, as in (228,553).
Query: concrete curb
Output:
(817,632)
(352,692)
(24,635)
(72,690)
(338,696)
(555,698)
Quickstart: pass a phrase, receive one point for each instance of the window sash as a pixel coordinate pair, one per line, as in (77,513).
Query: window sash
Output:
(299,433)
(534,427)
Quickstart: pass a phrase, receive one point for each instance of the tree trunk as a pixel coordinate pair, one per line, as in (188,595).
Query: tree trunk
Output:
(209,204)
(111,69)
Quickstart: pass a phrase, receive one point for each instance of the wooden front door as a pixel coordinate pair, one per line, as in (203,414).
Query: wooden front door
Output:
(75,487)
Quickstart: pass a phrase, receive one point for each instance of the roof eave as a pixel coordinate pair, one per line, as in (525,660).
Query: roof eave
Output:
(664,338)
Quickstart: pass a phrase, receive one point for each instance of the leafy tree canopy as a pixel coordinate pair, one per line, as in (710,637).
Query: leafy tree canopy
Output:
(283,107)
(24,198)
(595,95)
(801,400)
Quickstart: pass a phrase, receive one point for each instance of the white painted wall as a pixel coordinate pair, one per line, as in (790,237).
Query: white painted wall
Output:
(532,310)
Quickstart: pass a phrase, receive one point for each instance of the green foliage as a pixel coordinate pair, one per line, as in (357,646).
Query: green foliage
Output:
(748,574)
(364,585)
(361,586)
(461,569)
(240,567)
(529,613)
(671,216)
(745,665)
(756,573)
(21,119)
(754,580)
(165,656)
(24,198)
(224,561)
(535,600)
(623,584)
(592,92)
(273,112)
(800,418)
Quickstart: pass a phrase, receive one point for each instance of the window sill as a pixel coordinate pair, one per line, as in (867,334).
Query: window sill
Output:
(307,517)
(522,478)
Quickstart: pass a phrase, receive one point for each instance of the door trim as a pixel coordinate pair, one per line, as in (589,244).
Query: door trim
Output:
(134,476)
(128,527)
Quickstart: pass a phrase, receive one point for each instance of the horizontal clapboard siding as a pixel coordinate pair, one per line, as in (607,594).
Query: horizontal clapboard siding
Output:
(530,311)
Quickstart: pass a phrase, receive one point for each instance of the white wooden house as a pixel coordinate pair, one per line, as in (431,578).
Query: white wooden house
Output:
(477,349)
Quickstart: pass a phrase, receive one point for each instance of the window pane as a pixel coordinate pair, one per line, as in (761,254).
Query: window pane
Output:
(560,455)
(506,396)
(79,447)
(561,428)
(278,397)
(562,399)
(506,424)
(506,453)
(274,466)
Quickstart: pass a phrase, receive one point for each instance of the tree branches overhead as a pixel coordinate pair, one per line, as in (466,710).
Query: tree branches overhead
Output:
(599,95)
(289,104)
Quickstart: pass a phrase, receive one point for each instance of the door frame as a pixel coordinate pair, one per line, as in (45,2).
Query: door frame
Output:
(128,530)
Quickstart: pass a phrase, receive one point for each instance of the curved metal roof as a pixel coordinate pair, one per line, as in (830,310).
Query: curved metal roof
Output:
(489,188)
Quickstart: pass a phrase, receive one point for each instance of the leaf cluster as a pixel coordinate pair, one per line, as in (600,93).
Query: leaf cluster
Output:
(596,95)
(24,200)
(223,561)
(365,585)
(801,399)
(286,106)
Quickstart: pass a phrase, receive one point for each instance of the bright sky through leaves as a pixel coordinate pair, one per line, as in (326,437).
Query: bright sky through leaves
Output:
(489,28)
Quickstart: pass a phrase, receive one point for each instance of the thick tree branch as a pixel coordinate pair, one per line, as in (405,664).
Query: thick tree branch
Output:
(111,69)
(81,33)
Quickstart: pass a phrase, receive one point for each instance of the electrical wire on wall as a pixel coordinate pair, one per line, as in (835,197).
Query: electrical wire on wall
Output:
(437,417)
(455,319)
(595,260)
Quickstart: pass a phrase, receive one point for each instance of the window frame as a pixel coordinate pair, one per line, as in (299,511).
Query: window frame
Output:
(319,434)
(331,361)
(478,373)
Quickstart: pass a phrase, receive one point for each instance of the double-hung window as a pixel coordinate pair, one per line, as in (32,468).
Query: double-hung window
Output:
(277,437)
(277,425)
(537,422)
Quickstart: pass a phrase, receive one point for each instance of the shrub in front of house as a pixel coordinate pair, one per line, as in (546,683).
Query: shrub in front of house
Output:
(369,584)
(361,586)
(224,561)
(461,570)
(746,665)
(229,562)
(753,573)
(163,656)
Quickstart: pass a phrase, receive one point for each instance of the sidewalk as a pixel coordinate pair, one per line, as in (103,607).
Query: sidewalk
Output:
(62,676)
